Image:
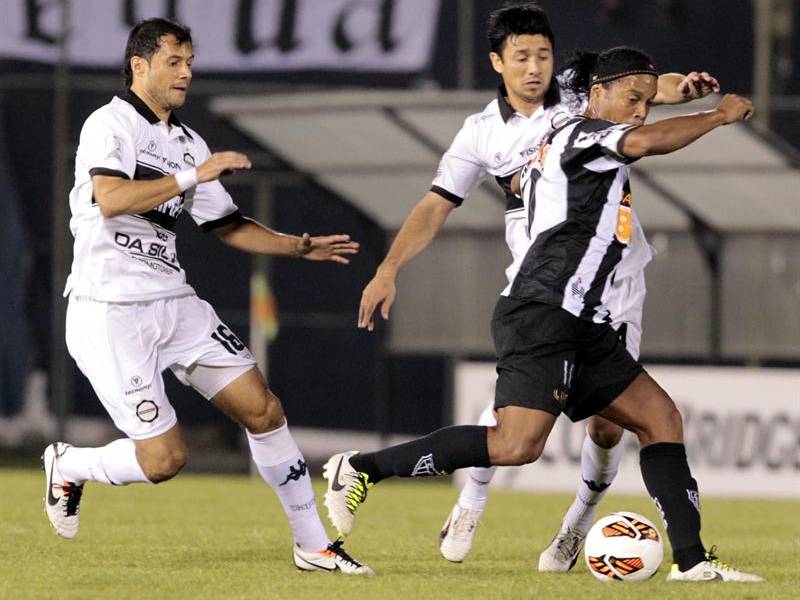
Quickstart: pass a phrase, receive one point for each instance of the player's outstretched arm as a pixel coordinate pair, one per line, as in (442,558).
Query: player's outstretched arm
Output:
(673,134)
(250,236)
(117,196)
(418,230)
(675,88)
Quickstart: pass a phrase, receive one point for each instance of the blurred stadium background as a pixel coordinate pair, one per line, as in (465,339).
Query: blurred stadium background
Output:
(345,107)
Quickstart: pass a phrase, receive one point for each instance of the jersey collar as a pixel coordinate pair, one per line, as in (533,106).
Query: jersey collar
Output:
(131,98)
(506,110)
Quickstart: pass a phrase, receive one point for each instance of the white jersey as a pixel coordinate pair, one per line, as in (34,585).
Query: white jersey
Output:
(499,142)
(132,257)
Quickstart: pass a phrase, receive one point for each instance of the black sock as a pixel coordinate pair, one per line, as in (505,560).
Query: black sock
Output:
(670,483)
(438,453)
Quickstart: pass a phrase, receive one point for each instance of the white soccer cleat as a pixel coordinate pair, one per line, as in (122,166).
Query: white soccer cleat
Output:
(712,569)
(62,499)
(332,559)
(562,553)
(347,489)
(458,533)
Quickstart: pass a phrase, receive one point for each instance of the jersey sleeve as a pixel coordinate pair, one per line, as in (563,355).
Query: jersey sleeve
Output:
(597,145)
(460,167)
(210,204)
(107,146)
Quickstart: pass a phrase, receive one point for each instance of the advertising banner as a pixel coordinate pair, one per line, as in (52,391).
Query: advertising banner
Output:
(235,35)
(741,426)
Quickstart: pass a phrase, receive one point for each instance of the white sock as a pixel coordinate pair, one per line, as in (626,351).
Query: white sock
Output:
(114,463)
(283,467)
(599,466)
(473,494)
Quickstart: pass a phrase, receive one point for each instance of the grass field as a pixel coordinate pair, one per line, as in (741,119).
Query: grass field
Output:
(226,537)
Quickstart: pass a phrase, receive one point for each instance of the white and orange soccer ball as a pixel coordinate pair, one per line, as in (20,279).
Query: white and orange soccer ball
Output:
(623,546)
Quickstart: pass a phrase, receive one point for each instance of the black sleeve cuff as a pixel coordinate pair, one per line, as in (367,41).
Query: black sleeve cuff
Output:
(107,172)
(618,154)
(226,220)
(447,195)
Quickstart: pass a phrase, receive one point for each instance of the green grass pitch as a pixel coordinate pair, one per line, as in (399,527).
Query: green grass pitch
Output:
(226,537)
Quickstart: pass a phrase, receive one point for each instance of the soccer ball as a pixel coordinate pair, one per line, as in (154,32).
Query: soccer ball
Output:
(623,546)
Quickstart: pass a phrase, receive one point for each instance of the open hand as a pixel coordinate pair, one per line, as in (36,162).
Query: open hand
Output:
(326,247)
(381,291)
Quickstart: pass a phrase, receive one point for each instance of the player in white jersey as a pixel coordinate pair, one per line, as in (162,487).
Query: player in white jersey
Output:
(557,351)
(499,141)
(131,314)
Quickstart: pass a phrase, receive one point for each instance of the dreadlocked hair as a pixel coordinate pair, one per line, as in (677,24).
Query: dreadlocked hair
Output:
(580,68)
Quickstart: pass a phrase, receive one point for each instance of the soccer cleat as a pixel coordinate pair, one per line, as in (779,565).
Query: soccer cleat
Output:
(455,539)
(712,569)
(62,500)
(333,558)
(347,489)
(562,553)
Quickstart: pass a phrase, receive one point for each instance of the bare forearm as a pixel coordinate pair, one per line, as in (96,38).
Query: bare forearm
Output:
(668,92)
(117,196)
(418,230)
(670,134)
(253,237)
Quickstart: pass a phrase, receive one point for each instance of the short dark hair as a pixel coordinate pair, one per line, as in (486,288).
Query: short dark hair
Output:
(517,18)
(522,18)
(145,39)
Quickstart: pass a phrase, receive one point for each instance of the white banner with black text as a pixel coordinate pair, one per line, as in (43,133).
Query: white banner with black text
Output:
(741,426)
(235,35)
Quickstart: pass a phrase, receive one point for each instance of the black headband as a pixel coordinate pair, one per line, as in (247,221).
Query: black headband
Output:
(606,73)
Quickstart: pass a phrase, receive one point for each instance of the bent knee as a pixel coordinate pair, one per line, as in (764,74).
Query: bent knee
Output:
(267,416)
(165,466)
(509,451)
(604,433)
(663,425)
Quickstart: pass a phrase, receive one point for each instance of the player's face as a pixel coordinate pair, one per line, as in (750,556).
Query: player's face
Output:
(624,100)
(526,66)
(168,73)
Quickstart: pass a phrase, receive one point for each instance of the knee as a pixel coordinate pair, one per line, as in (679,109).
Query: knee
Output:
(267,416)
(604,433)
(674,421)
(165,465)
(664,425)
(508,450)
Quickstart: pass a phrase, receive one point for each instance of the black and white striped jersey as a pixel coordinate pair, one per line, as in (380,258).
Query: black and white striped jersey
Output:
(577,203)
(133,257)
(499,141)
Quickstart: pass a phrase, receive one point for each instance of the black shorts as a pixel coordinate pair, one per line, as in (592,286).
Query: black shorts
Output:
(551,360)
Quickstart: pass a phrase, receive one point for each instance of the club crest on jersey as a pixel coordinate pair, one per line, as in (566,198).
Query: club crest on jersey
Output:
(147,411)
(188,159)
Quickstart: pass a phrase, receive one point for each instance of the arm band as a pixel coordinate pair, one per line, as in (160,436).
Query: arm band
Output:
(186,179)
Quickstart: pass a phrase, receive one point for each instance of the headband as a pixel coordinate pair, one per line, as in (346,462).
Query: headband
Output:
(606,73)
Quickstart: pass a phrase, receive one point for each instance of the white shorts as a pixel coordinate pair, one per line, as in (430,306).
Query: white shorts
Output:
(627,306)
(122,348)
